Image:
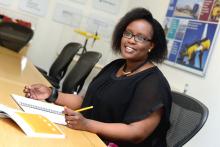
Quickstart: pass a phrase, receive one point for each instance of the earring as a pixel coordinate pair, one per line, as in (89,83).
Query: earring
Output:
(149,50)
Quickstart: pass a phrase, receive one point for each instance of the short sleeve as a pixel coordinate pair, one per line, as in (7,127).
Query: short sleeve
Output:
(150,95)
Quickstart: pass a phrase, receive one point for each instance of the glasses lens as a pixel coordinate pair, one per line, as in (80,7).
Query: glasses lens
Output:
(140,38)
(127,34)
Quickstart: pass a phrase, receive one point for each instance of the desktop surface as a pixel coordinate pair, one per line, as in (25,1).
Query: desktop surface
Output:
(13,80)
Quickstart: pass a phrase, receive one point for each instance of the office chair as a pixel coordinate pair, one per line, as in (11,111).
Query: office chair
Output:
(14,36)
(188,116)
(60,65)
(75,79)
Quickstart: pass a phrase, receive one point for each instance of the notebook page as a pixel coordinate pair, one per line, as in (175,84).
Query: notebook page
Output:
(51,111)
(33,125)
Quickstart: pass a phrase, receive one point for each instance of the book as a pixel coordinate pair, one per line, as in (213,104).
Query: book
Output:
(53,112)
(33,125)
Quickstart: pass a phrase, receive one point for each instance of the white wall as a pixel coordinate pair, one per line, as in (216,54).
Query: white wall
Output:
(205,89)
(50,37)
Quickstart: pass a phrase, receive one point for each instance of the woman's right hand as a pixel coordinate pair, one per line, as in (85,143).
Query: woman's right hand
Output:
(37,91)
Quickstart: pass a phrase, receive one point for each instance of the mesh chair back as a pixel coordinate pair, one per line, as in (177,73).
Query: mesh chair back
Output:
(188,116)
(75,79)
(14,36)
(60,65)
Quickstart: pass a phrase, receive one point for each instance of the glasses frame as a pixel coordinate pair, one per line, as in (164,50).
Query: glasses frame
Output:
(135,37)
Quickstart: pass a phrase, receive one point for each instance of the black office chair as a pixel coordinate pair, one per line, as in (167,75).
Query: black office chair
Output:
(75,79)
(60,65)
(14,36)
(188,116)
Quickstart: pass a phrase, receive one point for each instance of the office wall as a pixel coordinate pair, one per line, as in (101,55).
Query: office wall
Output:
(51,36)
(205,89)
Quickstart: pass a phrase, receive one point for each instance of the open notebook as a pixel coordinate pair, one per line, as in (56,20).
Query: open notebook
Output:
(51,111)
(33,125)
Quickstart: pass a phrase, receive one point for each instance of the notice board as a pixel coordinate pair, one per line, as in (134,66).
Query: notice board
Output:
(191,27)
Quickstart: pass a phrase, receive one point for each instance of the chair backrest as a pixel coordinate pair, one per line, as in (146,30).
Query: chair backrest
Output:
(14,36)
(60,65)
(75,79)
(188,116)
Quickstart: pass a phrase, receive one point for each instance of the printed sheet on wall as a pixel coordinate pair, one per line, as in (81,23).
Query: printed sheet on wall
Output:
(191,27)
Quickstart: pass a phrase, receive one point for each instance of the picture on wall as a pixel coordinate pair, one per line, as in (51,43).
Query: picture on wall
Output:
(191,27)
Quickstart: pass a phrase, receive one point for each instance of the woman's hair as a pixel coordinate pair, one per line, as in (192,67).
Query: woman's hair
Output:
(159,52)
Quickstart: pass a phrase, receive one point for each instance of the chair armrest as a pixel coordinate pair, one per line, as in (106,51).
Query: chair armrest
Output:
(41,70)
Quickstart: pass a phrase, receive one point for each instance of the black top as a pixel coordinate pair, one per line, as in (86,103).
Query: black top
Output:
(130,99)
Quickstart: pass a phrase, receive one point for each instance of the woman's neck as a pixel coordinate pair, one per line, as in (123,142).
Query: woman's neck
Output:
(131,67)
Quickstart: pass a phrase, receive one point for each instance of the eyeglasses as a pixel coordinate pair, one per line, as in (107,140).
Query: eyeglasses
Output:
(138,38)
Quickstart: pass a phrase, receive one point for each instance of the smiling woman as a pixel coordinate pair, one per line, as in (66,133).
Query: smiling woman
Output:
(131,96)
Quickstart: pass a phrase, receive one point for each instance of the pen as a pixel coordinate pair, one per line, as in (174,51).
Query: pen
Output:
(83,109)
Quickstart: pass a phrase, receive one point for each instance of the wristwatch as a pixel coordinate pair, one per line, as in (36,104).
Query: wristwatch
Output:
(54,95)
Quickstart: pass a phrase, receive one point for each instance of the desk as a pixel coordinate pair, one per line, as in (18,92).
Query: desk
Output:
(13,70)
(11,134)
(22,52)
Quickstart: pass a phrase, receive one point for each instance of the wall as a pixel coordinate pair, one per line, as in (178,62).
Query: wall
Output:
(50,37)
(205,89)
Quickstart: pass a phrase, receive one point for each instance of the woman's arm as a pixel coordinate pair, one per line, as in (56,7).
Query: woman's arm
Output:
(42,92)
(69,100)
(134,132)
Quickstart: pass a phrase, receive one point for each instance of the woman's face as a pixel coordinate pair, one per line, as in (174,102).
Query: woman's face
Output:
(135,43)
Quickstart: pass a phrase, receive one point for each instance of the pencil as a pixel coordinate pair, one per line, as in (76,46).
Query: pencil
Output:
(83,109)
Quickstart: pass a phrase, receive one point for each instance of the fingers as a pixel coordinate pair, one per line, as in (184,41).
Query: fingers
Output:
(29,92)
(71,117)
(69,111)
(72,121)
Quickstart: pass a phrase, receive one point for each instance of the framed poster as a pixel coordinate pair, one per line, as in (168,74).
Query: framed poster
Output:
(67,15)
(79,1)
(191,27)
(109,6)
(96,23)
(36,7)
(6,2)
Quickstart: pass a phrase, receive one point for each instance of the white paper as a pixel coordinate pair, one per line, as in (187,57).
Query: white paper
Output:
(79,1)
(51,111)
(112,6)
(37,7)
(67,15)
(102,25)
(26,126)
(6,2)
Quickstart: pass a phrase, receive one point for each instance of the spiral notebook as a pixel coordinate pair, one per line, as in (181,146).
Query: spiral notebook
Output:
(33,125)
(53,112)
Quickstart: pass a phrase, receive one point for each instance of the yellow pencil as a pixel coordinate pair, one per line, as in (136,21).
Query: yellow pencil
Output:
(83,109)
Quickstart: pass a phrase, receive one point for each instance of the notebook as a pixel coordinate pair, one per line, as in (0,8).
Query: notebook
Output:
(33,125)
(53,112)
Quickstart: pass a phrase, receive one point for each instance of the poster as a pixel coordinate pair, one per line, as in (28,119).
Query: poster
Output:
(109,6)
(6,2)
(79,1)
(191,27)
(96,23)
(67,15)
(36,7)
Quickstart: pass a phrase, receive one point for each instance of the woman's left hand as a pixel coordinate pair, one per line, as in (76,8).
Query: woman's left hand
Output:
(75,120)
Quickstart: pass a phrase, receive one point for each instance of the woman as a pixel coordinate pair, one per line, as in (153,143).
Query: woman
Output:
(131,97)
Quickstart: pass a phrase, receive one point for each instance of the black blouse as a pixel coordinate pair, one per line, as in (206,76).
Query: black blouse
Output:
(130,99)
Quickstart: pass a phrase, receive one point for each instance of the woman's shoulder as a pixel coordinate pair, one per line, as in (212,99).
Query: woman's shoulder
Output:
(111,67)
(115,63)
(156,76)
